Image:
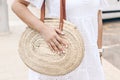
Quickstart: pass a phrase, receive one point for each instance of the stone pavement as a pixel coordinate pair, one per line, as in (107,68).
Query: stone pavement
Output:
(12,68)
(111,41)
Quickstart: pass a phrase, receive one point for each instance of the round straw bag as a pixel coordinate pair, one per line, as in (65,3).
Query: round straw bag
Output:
(37,55)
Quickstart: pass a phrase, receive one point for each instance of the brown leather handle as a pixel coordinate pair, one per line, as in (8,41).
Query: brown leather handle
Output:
(62,13)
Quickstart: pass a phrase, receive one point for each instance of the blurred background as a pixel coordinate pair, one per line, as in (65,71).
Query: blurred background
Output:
(11,66)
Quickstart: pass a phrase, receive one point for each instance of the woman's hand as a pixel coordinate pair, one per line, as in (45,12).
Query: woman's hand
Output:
(51,35)
(53,38)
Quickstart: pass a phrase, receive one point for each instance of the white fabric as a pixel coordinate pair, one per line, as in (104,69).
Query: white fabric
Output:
(83,13)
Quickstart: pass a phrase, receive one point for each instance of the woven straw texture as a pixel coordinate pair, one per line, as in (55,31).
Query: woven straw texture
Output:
(37,55)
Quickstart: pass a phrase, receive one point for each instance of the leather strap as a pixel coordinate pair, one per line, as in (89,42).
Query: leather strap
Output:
(62,13)
(43,11)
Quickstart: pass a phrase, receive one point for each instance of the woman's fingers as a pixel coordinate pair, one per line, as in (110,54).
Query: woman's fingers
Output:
(50,46)
(54,39)
(62,41)
(54,47)
(58,45)
(59,31)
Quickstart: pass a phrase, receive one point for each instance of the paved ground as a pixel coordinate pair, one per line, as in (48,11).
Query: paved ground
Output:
(111,41)
(12,68)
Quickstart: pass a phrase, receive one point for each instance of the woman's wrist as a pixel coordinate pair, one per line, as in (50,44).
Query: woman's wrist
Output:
(39,26)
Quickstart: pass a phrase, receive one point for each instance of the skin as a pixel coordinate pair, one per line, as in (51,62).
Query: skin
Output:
(100,31)
(51,35)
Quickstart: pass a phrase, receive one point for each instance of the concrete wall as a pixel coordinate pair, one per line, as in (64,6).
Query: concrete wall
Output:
(4,27)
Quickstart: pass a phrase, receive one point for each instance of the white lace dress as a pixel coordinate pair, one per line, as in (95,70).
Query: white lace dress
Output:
(83,13)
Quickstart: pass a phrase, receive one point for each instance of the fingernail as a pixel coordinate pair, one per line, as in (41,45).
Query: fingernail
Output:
(66,46)
(63,51)
(62,33)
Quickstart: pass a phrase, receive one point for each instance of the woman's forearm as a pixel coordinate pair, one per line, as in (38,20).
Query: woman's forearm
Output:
(20,9)
(100,29)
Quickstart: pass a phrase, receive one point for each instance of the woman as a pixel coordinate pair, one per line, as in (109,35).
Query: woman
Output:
(86,15)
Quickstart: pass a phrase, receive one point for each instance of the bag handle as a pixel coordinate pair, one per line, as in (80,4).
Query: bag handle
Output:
(62,13)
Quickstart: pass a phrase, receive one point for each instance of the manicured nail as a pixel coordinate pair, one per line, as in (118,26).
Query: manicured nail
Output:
(63,52)
(62,33)
(66,46)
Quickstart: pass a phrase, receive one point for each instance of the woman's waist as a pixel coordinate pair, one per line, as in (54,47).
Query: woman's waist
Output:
(73,16)
(76,19)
